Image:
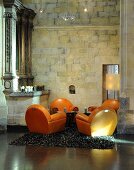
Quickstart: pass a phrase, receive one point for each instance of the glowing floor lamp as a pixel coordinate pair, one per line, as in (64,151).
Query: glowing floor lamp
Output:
(112,83)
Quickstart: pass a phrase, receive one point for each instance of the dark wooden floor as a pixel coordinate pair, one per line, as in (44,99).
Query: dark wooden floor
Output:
(40,158)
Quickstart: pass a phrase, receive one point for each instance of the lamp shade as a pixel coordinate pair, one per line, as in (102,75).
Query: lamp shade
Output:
(112,82)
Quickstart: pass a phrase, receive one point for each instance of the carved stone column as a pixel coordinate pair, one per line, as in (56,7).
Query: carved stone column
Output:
(24,71)
(126,111)
(10,77)
(23,43)
(18,35)
(29,60)
(18,44)
(127,50)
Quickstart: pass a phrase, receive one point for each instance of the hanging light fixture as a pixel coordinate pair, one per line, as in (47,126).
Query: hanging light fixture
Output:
(68,16)
(85,8)
(39,8)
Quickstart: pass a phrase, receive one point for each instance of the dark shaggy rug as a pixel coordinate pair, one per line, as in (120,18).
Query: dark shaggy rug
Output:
(68,138)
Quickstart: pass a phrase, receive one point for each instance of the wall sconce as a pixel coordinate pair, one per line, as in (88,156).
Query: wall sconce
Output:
(112,84)
(72,89)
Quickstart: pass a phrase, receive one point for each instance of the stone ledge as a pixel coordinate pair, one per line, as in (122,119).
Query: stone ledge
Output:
(30,94)
(75,27)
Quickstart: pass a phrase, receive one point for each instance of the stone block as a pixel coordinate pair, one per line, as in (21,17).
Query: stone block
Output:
(101,3)
(100,21)
(111,3)
(109,52)
(98,9)
(114,14)
(114,20)
(19,119)
(64,39)
(113,44)
(51,5)
(109,8)
(112,32)
(95,38)
(114,38)
(103,14)
(92,3)
(118,7)
(103,38)
(102,45)
(125,122)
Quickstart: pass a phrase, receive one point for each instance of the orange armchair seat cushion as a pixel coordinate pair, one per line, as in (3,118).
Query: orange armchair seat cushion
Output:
(57,116)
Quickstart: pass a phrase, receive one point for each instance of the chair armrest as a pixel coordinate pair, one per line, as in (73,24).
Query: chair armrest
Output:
(74,108)
(91,108)
(83,117)
(57,116)
(54,110)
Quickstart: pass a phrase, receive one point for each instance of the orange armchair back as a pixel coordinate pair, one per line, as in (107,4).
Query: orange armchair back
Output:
(109,103)
(39,120)
(61,104)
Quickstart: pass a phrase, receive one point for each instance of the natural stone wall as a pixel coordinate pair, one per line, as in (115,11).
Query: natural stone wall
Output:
(99,12)
(62,57)
(73,53)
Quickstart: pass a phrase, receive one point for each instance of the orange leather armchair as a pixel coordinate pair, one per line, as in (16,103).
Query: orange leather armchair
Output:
(84,122)
(101,122)
(39,120)
(61,104)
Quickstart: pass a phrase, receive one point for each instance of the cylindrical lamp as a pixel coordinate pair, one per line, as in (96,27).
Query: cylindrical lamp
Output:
(112,82)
